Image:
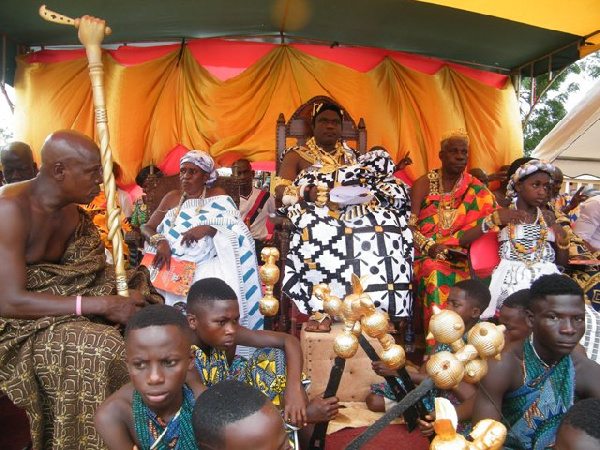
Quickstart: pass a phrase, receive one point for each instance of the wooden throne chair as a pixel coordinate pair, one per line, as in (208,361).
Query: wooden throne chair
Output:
(295,132)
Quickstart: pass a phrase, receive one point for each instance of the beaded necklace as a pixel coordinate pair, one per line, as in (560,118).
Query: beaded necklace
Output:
(520,251)
(154,433)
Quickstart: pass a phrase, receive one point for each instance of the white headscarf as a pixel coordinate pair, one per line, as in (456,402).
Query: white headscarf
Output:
(524,171)
(202,160)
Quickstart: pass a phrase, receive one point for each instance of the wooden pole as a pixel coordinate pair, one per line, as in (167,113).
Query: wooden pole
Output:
(91,32)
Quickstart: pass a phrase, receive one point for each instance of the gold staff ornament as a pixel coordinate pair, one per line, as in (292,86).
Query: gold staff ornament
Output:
(468,362)
(359,313)
(91,32)
(269,274)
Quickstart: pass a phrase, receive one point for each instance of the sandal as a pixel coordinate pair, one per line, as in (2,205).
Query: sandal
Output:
(318,322)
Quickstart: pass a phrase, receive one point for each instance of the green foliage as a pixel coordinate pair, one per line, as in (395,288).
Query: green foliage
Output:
(6,135)
(550,98)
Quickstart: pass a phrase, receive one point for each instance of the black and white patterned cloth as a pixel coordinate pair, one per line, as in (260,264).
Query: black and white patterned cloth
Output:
(328,246)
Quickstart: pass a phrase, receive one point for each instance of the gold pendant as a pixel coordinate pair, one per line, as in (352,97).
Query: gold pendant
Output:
(447,218)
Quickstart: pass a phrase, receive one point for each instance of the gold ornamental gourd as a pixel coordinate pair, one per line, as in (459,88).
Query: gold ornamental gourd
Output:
(269,275)
(468,362)
(359,314)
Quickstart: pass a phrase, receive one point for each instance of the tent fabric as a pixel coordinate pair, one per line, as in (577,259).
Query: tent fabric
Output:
(574,143)
(226,59)
(499,35)
(171,100)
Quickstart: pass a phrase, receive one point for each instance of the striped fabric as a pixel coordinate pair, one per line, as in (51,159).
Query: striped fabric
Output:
(591,338)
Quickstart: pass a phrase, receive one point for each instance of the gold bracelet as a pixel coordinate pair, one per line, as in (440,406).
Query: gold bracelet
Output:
(425,249)
(496,218)
(412,220)
(156,238)
(562,245)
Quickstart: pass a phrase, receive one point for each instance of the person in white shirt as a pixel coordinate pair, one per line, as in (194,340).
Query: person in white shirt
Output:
(255,204)
(587,226)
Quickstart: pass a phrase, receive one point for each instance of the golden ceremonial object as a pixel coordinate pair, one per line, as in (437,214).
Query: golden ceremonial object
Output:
(269,274)
(468,362)
(91,32)
(487,434)
(445,370)
(359,313)
(51,16)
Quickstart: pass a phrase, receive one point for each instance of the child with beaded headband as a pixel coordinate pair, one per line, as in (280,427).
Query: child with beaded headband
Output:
(154,410)
(530,240)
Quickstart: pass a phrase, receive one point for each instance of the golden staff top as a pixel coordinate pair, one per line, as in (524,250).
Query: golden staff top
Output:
(91,34)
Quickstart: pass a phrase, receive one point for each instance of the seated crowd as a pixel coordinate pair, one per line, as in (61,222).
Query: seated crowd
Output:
(187,364)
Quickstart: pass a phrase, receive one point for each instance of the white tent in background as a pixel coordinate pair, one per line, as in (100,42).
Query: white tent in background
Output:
(574,143)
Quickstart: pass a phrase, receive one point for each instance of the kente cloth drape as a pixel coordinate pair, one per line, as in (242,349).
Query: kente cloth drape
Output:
(155,105)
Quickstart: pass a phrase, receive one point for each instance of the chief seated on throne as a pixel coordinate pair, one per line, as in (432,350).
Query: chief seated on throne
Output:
(349,215)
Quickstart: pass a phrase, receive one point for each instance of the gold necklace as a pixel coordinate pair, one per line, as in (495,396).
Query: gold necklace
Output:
(328,161)
(447,212)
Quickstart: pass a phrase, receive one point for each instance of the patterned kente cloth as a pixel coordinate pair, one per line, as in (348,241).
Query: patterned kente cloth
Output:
(60,369)
(328,246)
(154,433)
(587,276)
(534,411)
(228,255)
(474,202)
(265,370)
(514,274)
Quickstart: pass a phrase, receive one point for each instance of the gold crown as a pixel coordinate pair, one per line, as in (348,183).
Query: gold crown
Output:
(459,132)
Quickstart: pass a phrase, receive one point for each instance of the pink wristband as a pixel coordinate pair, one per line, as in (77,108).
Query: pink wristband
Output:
(78,305)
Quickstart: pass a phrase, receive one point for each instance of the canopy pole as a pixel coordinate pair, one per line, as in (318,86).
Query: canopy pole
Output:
(3,82)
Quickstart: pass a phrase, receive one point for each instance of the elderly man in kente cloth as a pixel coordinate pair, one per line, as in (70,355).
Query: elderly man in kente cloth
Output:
(17,162)
(539,379)
(446,202)
(365,232)
(60,355)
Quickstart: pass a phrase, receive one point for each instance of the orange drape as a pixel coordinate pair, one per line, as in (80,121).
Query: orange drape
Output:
(158,104)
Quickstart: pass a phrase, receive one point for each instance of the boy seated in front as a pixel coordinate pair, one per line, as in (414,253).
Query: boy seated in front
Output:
(513,315)
(275,368)
(468,299)
(154,410)
(234,416)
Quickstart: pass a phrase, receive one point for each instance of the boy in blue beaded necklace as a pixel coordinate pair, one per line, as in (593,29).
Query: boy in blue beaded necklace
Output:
(154,410)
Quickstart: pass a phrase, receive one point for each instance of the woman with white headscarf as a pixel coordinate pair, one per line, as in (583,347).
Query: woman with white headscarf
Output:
(201,223)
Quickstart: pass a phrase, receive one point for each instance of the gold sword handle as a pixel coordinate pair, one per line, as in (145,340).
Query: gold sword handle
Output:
(51,16)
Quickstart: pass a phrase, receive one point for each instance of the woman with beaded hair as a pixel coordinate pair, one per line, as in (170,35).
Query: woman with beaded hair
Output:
(201,223)
(531,242)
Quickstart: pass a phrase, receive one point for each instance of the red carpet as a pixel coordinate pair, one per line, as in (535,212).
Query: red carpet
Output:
(14,426)
(387,439)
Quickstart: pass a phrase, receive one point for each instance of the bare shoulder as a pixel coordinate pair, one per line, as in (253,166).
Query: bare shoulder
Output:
(419,191)
(507,371)
(290,166)
(118,406)
(171,200)
(15,203)
(114,419)
(587,373)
